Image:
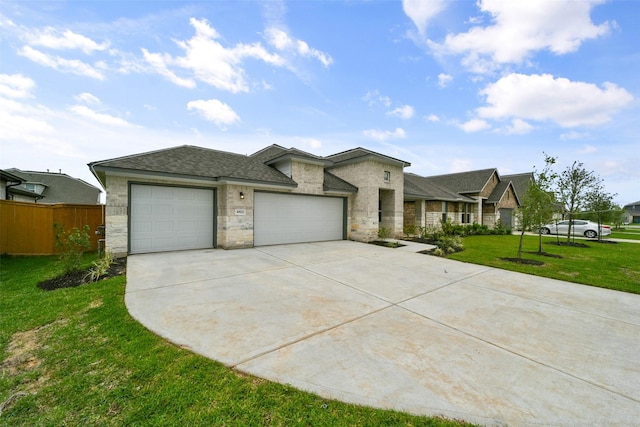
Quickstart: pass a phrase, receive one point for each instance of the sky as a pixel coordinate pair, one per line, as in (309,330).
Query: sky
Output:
(448,86)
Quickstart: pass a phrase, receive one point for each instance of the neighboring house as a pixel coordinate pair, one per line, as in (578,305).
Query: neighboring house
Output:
(192,197)
(49,187)
(9,180)
(480,196)
(632,213)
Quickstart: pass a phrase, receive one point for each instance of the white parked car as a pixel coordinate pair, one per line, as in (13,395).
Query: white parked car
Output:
(580,227)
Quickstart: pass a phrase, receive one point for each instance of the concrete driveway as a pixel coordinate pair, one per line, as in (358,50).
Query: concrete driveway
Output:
(391,328)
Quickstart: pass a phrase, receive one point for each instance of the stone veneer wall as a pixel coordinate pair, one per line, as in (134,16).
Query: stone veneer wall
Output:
(368,176)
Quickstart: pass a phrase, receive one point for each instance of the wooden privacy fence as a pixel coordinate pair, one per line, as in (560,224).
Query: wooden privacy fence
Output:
(28,228)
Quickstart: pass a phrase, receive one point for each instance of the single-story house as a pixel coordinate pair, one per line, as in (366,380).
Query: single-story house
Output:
(192,197)
(480,196)
(48,187)
(632,213)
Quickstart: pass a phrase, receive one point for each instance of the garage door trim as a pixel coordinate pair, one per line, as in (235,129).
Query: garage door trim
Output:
(156,184)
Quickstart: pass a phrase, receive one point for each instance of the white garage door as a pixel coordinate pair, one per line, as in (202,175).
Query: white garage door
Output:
(170,218)
(290,218)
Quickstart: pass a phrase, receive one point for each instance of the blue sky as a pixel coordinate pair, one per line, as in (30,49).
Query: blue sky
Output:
(446,85)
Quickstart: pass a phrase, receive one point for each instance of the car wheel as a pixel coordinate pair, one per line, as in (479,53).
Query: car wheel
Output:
(545,230)
(590,234)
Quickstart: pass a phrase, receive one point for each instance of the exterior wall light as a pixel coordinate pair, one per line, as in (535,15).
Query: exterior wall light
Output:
(241,195)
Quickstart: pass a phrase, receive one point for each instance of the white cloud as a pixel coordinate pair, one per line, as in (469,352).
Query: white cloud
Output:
(87,98)
(574,135)
(159,62)
(72,66)
(432,118)
(422,11)
(210,61)
(384,135)
(373,97)
(215,111)
(279,39)
(543,97)
(405,112)
(311,143)
(474,125)
(518,127)
(53,39)
(105,119)
(444,79)
(521,27)
(588,149)
(16,86)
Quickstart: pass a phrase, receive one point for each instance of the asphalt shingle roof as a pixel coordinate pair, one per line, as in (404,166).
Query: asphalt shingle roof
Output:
(424,188)
(520,182)
(275,151)
(498,191)
(198,162)
(60,187)
(333,183)
(360,153)
(465,182)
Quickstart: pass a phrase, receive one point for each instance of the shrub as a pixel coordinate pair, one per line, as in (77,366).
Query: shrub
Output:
(450,244)
(71,245)
(410,230)
(384,233)
(100,267)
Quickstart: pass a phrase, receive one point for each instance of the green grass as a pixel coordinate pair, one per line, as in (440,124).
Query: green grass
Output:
(75,357)
(606,265)
(632,233)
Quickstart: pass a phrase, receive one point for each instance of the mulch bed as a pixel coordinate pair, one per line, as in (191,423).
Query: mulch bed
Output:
(386,244)
(523,261)
(574,244)
(547,254)
(118,268)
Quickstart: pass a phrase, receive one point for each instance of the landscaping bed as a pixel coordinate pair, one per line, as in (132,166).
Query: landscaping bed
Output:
(118,267)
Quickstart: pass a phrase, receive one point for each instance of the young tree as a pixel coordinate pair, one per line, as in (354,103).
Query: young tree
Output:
(600,203)
(573,184)
(538,203)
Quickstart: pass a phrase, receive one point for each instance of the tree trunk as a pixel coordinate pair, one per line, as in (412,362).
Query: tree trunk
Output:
(520,244)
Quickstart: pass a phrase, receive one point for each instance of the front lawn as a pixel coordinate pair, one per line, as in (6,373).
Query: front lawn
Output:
(606,265)
(627,232)
(75,357)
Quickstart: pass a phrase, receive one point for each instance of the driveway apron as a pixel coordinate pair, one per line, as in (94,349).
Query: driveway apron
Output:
(396,329)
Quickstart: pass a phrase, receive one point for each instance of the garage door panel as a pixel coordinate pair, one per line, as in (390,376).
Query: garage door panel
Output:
(170,218)
(287,218)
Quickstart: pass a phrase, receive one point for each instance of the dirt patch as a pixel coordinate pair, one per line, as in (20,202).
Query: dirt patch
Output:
(22,358)
(118,268)
(524,261)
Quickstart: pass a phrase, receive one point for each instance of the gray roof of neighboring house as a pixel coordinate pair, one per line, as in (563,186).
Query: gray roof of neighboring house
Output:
(359,154)
(499,190)
(465,182)
(188,161)
(520,182)
(424,188)
(630,207)
(8,176)
(60,187)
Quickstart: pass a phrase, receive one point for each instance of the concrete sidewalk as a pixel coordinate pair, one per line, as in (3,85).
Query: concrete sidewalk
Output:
(396,329)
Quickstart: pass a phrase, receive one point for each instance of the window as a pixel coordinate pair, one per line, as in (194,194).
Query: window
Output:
(466,213)
(444,211)
(387,176)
